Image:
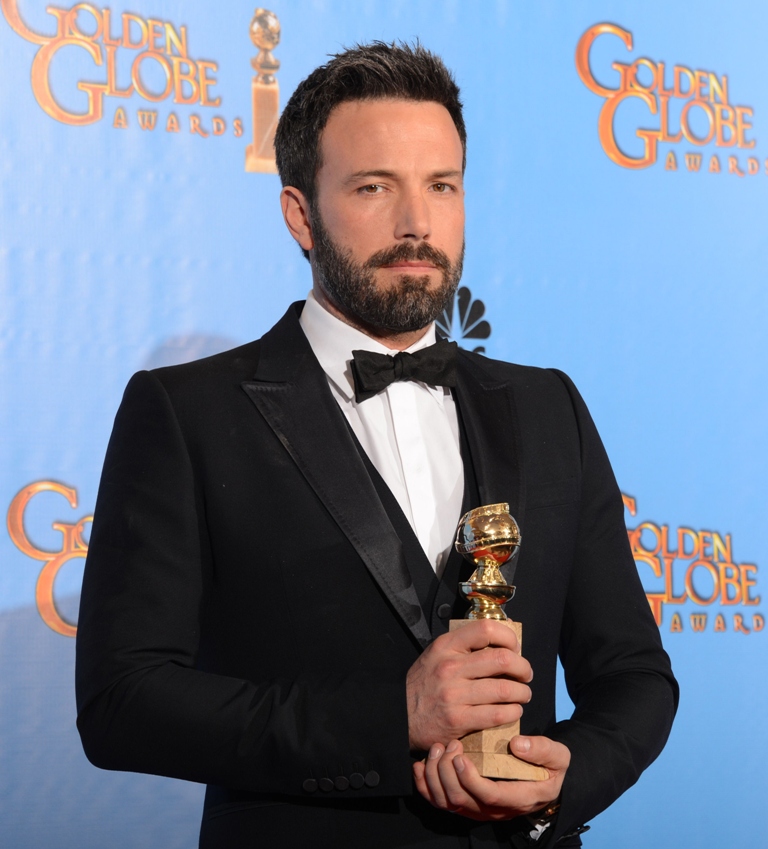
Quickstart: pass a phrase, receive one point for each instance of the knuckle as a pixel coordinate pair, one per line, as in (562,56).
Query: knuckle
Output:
(446,670)
(453,718)
(501,715)
(504,690)
(456,799)
(510,691)
(487,630)
(504,659)
(448,699)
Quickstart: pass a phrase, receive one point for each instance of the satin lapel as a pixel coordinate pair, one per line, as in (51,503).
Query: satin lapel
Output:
(291,392)
(489,415)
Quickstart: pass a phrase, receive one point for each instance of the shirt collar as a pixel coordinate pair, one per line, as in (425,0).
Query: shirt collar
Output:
(332,342)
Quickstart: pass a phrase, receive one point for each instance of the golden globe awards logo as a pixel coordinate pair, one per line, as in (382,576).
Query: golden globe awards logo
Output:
(696,568)
(687,107)
(127,51)
(73,546)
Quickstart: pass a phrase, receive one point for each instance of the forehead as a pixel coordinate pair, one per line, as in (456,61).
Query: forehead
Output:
(387,134)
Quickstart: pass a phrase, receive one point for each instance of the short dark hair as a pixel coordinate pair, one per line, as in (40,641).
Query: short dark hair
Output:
(373,71)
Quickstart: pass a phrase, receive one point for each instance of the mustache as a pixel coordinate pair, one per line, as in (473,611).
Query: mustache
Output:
(409,252)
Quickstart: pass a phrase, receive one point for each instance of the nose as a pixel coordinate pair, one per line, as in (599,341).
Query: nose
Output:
(413,218)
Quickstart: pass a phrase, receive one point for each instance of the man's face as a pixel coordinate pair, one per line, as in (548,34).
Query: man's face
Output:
(388,219)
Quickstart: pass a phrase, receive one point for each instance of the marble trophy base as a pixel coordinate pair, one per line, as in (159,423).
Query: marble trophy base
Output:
(489,750)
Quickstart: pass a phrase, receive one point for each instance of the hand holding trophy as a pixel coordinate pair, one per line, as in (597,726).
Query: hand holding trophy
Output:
(489,537)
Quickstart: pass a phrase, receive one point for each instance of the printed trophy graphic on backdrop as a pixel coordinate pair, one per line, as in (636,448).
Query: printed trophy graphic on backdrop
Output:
(489,537)
(265,93)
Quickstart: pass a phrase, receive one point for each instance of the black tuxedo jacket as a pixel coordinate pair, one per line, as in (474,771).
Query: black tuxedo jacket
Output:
(248,615)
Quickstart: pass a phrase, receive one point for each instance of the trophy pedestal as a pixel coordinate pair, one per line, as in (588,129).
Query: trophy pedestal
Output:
(489,750)
(506,766)
(260,154)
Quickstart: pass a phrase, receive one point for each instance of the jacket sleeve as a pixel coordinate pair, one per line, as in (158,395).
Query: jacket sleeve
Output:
(616,671)
(144,704)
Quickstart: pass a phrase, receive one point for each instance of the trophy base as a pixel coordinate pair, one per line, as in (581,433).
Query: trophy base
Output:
(489,749)
(506,766)
(256,164)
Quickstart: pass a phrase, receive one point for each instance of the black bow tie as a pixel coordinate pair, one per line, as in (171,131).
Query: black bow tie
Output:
(434,365)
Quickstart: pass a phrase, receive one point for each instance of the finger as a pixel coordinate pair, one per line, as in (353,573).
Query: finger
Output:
(497,691)
(432,777)
(420,781)
(457,798)
(479,717)
(541,750)
(496,661)
(483,633)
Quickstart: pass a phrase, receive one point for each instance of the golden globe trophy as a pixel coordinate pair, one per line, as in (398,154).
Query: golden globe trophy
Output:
(265,93)
(489,537)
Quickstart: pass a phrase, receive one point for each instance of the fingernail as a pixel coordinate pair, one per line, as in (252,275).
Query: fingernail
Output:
(435,752)
(523,744)
(458,762)
(452,746)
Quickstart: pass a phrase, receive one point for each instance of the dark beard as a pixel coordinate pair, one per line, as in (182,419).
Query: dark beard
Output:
(410,304)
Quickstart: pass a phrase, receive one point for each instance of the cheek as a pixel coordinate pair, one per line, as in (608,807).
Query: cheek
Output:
(452,233)
(362,230)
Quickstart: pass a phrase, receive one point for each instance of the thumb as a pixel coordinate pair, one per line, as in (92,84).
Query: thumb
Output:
(540,750)
(521,747)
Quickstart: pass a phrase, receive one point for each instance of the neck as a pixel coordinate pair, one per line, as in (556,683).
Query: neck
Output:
(395,341)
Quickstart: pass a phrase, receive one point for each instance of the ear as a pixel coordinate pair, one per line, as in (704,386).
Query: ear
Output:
(296,214)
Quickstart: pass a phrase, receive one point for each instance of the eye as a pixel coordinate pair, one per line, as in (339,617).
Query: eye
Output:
(441,188)
(371,189)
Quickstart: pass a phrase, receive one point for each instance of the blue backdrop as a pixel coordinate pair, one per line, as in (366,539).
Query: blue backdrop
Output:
(616,204)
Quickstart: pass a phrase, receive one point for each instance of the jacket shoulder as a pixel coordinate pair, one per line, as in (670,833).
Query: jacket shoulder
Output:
(529,377)
(228,367)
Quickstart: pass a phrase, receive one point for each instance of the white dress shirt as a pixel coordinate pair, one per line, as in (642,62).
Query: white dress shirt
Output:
(410,431)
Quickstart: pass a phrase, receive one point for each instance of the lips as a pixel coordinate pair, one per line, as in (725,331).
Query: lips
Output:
(410,265)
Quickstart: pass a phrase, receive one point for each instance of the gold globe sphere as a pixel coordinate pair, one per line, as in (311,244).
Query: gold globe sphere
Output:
(265,29)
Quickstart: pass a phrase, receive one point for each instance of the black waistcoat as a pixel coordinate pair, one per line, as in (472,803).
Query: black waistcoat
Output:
(440,599)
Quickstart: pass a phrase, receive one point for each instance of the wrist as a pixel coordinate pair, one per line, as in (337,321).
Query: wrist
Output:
(547,812)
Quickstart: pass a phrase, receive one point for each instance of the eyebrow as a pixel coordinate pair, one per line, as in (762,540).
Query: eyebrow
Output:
(391,175)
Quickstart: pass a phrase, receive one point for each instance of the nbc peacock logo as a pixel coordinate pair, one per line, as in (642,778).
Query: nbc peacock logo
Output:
(462,321)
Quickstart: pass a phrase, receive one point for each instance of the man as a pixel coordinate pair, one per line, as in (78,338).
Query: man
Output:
(270,575)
